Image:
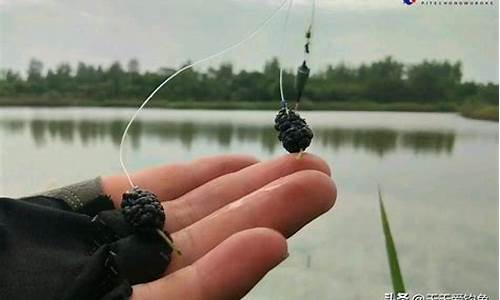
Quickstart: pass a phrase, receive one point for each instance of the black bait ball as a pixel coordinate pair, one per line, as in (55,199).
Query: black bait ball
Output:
(294,133)
(143,210)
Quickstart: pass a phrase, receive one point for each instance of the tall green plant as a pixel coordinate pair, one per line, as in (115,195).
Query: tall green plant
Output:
(392,255)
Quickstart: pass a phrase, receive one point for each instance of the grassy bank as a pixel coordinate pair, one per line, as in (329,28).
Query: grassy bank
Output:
(480,111)
(470,110)
(250,105)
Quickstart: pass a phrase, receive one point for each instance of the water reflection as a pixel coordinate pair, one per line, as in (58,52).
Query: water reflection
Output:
(376,141)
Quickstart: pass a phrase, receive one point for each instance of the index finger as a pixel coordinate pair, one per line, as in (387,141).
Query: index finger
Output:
(172,181)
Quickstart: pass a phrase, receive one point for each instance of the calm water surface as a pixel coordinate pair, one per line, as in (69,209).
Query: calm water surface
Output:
(439,174)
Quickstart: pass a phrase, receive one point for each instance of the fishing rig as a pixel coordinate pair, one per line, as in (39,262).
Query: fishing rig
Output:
(293,131)
(142,209)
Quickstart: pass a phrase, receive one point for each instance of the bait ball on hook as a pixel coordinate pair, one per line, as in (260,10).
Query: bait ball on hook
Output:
(294,133)
(142,210)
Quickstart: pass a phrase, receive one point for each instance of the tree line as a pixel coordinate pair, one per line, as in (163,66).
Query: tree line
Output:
(382,81)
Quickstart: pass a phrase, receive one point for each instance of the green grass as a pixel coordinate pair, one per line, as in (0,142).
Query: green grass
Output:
(229,105)
(469,110)
(481,111)
(392,255)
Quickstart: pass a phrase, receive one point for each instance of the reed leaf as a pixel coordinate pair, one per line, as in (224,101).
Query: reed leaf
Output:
(392,255)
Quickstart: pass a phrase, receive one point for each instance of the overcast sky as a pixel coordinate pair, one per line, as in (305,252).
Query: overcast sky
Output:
(170,32)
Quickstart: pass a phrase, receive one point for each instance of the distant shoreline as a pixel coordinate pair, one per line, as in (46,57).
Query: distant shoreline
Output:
(483,112)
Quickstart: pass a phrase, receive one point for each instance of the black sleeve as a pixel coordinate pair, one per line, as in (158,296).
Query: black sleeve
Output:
(51,249)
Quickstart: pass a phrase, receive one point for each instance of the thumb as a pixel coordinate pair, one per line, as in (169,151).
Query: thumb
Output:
(228,271)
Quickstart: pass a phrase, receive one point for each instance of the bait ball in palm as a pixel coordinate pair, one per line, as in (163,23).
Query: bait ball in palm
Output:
(294,133)
(143,210)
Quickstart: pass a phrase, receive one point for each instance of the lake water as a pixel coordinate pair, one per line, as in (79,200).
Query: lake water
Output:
(438,172)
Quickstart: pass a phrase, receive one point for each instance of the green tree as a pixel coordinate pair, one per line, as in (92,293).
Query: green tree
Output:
(35,82)
(383,81)
(434,81)
(386,80)
(133,66)
(35,69)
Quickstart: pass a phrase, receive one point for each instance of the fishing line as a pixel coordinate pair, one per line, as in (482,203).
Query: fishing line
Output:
(283,42)
(303,70)
(225,50)
(293,131)
(310,29)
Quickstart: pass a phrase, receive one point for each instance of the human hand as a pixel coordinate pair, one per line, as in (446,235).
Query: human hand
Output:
(229,215)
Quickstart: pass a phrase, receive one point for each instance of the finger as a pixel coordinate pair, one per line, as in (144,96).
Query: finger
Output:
(217,193)
(227,272)
(285,205)
(171,181)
